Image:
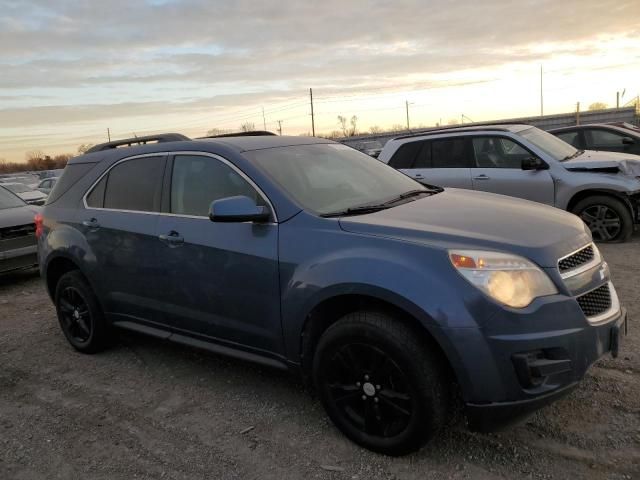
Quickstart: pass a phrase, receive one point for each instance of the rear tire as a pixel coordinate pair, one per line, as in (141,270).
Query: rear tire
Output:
(608,218)
(380,385)
(79,313)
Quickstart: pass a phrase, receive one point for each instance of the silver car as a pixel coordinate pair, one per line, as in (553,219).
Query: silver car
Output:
(18,244)
(603,188)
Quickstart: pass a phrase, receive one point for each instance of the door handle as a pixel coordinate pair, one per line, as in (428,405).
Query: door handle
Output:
(482,177)
(91,223)
(173,239)
(417,175)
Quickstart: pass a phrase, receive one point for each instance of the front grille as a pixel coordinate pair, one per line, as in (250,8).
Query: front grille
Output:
(9,233)
(577,259)
(596,301)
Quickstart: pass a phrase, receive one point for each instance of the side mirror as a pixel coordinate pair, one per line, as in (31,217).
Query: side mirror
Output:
(533,163)
(628,141)
(237,209)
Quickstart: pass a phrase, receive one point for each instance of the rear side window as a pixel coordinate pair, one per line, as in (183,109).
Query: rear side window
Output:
(405,156)
(605,138)
(131,185)
(71,174)
(570,137)
(451,153)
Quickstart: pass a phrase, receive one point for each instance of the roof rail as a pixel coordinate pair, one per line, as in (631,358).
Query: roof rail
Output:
(497,126)
(254,133)
(161,138)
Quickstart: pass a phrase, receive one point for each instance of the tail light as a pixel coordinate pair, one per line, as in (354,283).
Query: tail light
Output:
(38,220)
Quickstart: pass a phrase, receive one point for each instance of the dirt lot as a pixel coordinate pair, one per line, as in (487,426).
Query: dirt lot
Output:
(146,409)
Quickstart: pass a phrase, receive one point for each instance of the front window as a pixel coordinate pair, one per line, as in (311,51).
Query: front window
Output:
(9,200)
(326,178)
(550,144)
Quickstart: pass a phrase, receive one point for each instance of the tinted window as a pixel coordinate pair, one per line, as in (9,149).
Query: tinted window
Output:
(450,153)
(135,185)
(605,138)
(572,138)
(405,156)
(96,198)
(70,175)
(498,152)
(423,160)
(197,181)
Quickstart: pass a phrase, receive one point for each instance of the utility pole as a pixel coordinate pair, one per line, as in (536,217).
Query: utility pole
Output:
(617,99)
(406,104)
(280,127)
(541,98)
(109,134)
(578,113)
(264,122)
(313,124)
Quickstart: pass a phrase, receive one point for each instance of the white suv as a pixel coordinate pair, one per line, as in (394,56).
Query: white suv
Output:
(603,188)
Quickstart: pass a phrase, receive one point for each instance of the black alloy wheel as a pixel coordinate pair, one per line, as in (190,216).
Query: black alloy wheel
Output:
(79,314)
(370,390)
(381,382)
(75,315)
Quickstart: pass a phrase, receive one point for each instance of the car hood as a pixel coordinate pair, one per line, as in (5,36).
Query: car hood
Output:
(10,217)
(464,219)
(35,195)
(608,162)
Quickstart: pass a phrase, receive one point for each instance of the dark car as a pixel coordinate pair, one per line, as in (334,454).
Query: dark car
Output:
(608,137)
(18,245)
(390,298)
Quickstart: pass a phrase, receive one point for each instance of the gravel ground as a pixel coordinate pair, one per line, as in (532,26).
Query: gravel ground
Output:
(147,409)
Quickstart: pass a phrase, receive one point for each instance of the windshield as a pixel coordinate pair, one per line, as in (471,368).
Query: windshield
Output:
(548,143)
(326,178)
(9,200)
(17,187)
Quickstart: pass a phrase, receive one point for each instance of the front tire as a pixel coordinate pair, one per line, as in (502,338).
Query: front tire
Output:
(380,385)
(79,314)
(608,218)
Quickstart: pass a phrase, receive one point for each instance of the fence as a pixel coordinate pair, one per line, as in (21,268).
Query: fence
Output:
(546,122)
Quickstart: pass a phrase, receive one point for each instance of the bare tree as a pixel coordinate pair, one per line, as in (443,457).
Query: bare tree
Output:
(354,126)
(453,121)
(82,148)
(248,127)
(375,129)
(398,127)
(342,121)
(598,106)
(218,131)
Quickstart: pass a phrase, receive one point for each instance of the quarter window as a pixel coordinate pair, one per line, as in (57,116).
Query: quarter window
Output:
(197,181)
(405,156)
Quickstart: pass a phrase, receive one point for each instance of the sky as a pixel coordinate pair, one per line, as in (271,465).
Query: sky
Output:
(70,70)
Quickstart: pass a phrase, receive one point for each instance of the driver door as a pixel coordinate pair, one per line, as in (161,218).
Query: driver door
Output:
(498,169)
(221,279)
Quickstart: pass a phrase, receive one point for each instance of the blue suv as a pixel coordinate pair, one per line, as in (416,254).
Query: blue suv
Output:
(392,299)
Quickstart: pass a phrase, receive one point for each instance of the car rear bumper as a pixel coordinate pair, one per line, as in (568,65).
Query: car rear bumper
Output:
(491,416)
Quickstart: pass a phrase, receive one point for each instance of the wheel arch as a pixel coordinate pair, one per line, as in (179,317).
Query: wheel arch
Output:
(55,268)
(592,192)
(330,309)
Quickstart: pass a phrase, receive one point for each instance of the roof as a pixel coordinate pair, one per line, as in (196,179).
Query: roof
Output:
(472,128)
(247,143)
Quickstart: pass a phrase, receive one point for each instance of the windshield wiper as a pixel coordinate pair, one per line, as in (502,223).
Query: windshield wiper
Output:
(362,209)
(574,155)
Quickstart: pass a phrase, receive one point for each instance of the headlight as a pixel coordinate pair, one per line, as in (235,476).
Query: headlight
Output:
(509,279)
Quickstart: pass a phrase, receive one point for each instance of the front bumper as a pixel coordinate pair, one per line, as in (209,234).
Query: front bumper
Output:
(491,416)
(18,258)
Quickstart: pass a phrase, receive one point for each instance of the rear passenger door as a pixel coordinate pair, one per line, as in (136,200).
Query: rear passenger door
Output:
(119,224)
(499,170)
(444,162)
(221,279)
